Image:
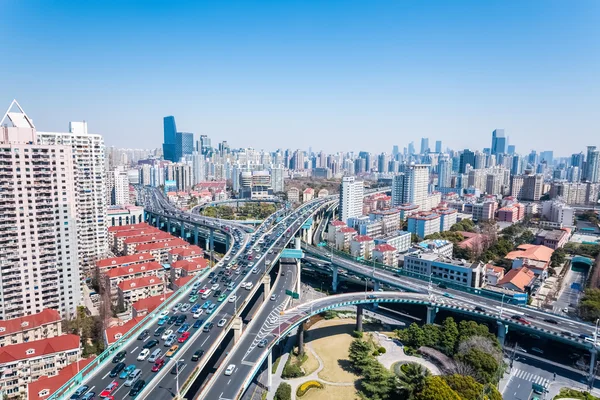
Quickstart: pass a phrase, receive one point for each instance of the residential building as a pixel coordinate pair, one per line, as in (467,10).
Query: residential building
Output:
(553,239)
(406,210)
(114,333)
(424,223)
(558,212)
(512,213)
(160,251)
(26,362)
(38,226)
(334,227)
(493,274)
(365,226)
(527,187)
(117,182)
(142,307)
(412,186)
(124,215)
(115,276)
(45,386)
(575,193)
(592,171)
(42,325)
(184,268)
(293,195)
(343,238)
(436,246)
(117,239)
(535,257)
(518,280)
(88,166)
(445,172)
(385,254)
(135,289)
(308,194)
(485,211)
(131,243)
(123,261)
(323,193)
(351,198)
(448,218)
(400,240)
(390,219)
(185,253)
(362,246)
(459,272)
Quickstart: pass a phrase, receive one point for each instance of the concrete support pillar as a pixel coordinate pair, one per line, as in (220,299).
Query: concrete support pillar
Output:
(309,235)
(169,225)
(227,238)
(593,356)
(238,325)
(211,241)
(502,331)
(297,243)
(196,233)
(266,287)
(376,286)
(431,312)
(359,318)
(269,370)
(158,222)
(298,278)
(183,231)
(334,284)
(301,339)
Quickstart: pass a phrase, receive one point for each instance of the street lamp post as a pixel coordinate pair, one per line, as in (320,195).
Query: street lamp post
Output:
(502,304)
(366,283)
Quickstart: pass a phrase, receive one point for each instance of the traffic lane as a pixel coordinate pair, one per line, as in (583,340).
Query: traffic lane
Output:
(247,350)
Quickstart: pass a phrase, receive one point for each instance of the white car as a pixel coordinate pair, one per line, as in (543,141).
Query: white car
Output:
(177,307)
(198,313)
(185,307)
(215,286)
(249,285)
(164,313)
(251,264)
(232,298)
(229,370)
(221,322)
(167,333)
(226,258)
(143,355)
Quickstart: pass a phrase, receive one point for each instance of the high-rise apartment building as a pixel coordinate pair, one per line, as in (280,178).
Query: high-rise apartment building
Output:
(498,142)
(204,145)
(445,172)
(351,198)
(90,189)
(592,170)
(277,178)
(38,222)
(117,184)
(527,187)
(412,186)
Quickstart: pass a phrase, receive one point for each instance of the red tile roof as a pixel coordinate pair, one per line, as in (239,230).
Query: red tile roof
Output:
(141,225)
(53,383)
(38,348)
(149,238)
(520,278)
(114,333)
(187,252)
(347,230)
(363,238)
(124,260)
(531,252)
(338,223)
(384,247)
(46,316)
(136,283)
(195,265)
(133,269)
(149,304)
(183,280)
(137,232)
(177,242)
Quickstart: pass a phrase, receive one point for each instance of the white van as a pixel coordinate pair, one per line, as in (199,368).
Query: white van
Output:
(155,354)
(206,294)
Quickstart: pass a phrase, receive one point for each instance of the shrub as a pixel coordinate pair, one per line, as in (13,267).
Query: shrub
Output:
(284,392)
(291,371)
(330,314)
(381,350)
(358,334)
(306,386)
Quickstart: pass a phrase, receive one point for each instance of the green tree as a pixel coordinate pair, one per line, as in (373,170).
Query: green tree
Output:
(589,306)
(436,388)
(462,253)
(432,335)
(484,365)
(361,354)
(414,336)
(558,258)
(411,379)
(526,237)
(378,381)
(283,392)
(469,389)
(466,329)
(449,336)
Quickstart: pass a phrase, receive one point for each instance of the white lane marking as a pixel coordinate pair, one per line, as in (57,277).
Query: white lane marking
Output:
(135,349)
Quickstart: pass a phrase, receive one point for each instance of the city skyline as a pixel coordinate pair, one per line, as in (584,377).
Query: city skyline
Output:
(395,71)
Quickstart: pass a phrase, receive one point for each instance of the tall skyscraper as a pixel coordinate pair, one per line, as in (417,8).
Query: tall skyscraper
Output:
(169,138)
(38,241)
(592,164)
(577,160)
(466,158)
(411,148)
(445,172)
(351,198)
(382,163)
(205,145)
(277,178)
(510,149)
(424,145)
(498,142)
(438,146)
(117,183)
(411,186)
(90,187)
(184,145)
(395,150)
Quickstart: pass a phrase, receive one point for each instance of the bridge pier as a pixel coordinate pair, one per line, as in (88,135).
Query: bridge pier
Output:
(334,283)
(196,234)
(301,339)
(359,318)
(593,356)
(211,241)
(238,325)
(269,370)
(158,222)
(169,225)
(431,312)
(266,287)
(183,231)
(376,287)
(502,331)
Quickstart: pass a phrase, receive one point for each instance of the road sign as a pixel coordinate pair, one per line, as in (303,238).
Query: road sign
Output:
(322,244)
(293,295)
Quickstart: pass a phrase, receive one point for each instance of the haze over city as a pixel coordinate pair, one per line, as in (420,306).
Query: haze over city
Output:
(322,74)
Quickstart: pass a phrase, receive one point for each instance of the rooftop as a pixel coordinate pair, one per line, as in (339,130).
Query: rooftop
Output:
(46,316)
(38,348)
(45,386)
(141,225)
(132,259)
(531,252)
(150,303)
(133,269)
(347,230)
(363,238)
(176,242)
(384,247)
(148,238)
(114,333)
(521,278)
(136,283)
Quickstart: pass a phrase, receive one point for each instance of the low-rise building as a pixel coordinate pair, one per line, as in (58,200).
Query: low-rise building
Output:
(553,239)
(406,210)
(390,219)
(485,211)
(558,212)
(400,240)
(114,333)
(323,193)
(459,272)
(187,267)
(424,223)
(24,363)
(131,243)
(361,246)
(141,308)
(132,290)
(45,386)
(493,274)
(343,238)
(185,253)
(514,212)
(160,251)
(124,215)
(519,280)
(43,325)
(113,277)
(535,258)
(308,194)
(293,195)
(448,218)
(365,226)
(123,261)
(385,254)
(334,227)
(436,246)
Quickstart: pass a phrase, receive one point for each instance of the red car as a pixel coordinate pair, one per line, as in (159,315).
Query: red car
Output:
(109,389)
(184,336)
(158,364)
(250,257)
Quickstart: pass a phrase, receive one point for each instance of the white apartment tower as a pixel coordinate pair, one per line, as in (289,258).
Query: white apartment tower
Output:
(38,222)
(412,186)
(117,183)
(90,187)
(351,198)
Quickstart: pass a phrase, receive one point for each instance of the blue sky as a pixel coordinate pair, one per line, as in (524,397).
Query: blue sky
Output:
(334,75)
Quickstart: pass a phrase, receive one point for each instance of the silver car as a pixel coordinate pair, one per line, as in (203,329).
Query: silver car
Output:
(170,340)
(133,376)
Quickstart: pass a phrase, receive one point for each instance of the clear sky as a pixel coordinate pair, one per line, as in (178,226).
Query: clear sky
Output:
(334,75)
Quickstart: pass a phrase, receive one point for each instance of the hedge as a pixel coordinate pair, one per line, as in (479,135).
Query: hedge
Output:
(284,392)
(306,386)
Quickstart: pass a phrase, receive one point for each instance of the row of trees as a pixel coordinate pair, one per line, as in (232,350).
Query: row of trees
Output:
(90,330)
(475,350)
(412,381)
(247,211)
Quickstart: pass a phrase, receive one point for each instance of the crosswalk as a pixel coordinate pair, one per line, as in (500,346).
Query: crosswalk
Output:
(533,378)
